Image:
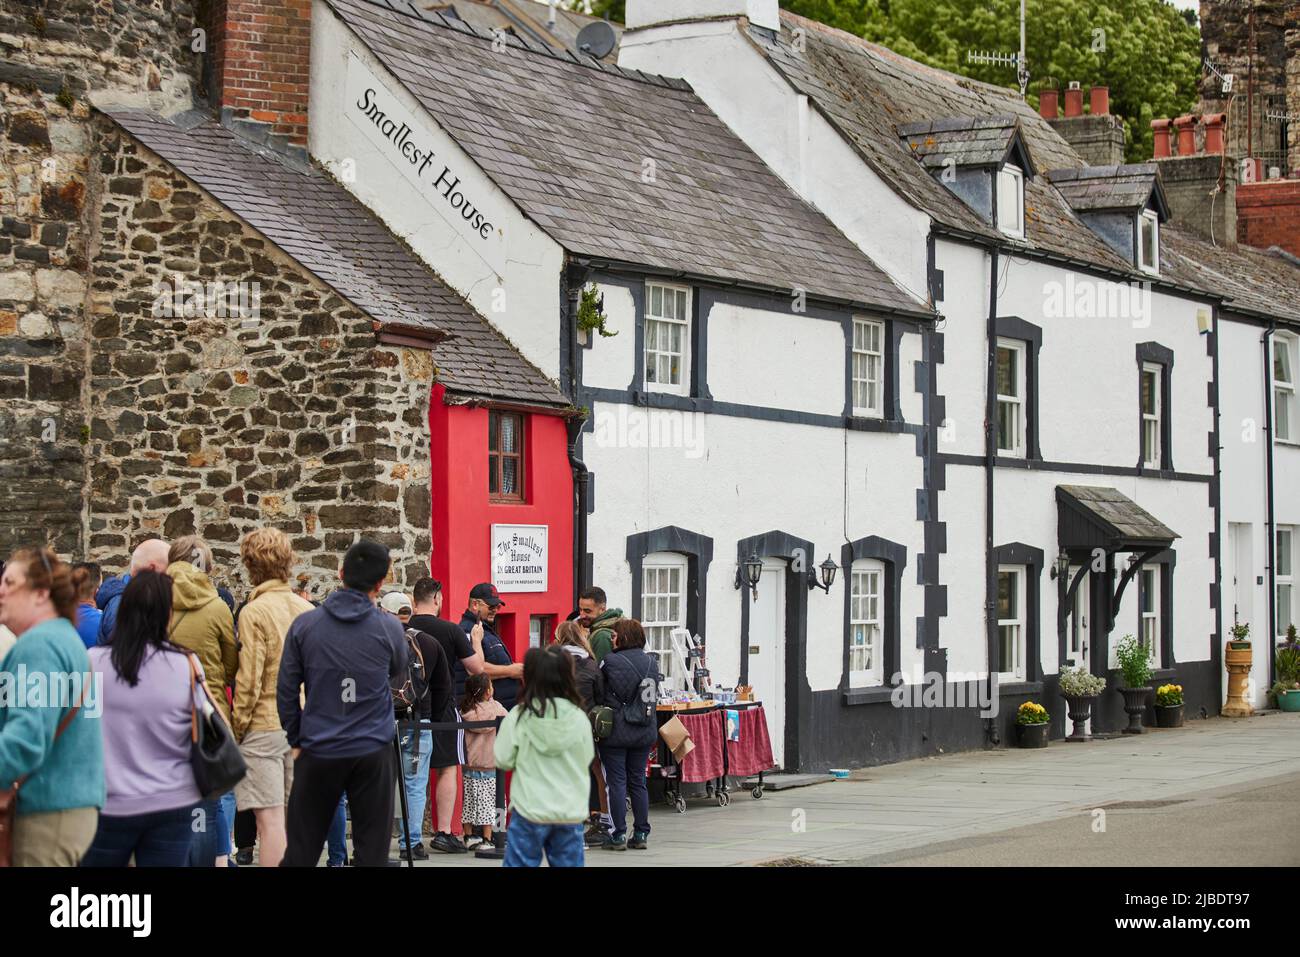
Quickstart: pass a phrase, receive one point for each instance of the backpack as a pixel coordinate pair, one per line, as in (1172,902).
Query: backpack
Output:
(640,711)
(411,688)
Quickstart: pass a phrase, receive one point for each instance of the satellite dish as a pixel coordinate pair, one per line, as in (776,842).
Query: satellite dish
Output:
(597,39)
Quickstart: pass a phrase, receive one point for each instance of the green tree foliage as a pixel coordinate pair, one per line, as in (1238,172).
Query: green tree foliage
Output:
(1146,51)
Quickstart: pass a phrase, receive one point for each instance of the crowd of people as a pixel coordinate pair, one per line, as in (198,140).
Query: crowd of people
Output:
(323,699)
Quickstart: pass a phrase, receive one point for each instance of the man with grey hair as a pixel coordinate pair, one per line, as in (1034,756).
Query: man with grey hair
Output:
(149,555)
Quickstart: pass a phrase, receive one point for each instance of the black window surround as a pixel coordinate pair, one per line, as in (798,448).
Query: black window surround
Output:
(698,550)
(1164,564)
(1156,354)
(1013,327)
(894,558)
(1031,559)
(890,405)
(697,359)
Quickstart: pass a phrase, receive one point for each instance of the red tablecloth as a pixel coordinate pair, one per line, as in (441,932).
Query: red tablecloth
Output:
(704,763)
(753,752)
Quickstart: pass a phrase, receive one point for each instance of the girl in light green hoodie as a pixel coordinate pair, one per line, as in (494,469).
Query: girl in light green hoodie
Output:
(546,741)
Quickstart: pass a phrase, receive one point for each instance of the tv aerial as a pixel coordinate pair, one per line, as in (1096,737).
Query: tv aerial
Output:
(1017,60)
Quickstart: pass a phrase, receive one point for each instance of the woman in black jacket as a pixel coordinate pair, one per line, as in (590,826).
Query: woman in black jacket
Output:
(631,690)
(569,636)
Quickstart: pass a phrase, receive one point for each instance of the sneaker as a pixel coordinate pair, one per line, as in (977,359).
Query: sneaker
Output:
(612,843)
(473,841)
(419,853)
(594,836)
(638,841)
(244,857)
(447,844)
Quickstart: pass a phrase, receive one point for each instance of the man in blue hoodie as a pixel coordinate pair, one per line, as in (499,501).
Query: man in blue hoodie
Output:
(343,655)
(148,556)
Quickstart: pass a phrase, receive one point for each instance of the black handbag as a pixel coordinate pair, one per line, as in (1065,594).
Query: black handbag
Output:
(214,755)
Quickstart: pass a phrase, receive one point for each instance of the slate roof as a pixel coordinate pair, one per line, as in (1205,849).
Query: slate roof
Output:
(1102,188)
(1117,515)
(526,17)
(332,234)
(1253,281)
(566,138)
(868,92)
(968,141)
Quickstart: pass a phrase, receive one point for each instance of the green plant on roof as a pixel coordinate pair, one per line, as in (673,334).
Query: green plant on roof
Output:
(591,312)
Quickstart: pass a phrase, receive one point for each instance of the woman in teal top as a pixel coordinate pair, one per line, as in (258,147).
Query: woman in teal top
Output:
(44,675)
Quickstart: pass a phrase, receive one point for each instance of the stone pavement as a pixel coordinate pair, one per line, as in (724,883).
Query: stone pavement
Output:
(883,811)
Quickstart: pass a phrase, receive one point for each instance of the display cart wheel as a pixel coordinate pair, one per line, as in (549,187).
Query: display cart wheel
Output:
(680,804)
(757,792)
(723,798)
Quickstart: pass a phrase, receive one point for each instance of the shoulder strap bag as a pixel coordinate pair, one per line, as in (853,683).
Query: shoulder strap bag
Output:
(214,755)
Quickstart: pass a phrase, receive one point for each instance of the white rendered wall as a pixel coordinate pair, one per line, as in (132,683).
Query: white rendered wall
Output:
(800,146)
(764,13)
(524,303)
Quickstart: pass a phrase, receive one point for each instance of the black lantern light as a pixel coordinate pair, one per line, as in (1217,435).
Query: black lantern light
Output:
(828,570)
(1062,566)
(748,573)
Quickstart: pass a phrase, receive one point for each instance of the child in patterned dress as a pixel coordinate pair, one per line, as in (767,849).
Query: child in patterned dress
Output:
(479,800)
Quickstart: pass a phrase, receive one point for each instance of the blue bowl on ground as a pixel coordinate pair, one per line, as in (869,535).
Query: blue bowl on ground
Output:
(840,773)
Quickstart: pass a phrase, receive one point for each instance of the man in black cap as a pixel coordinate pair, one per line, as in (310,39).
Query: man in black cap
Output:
(479,623)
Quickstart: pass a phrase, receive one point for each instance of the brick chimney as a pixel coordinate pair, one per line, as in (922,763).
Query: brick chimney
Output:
(1268,214)
(259,69)
(1097,136)
(1201,187)
(1049,103)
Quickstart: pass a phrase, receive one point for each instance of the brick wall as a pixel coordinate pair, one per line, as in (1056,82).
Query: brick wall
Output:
(260,68)
(1268,214)
(220,424)
(52,56)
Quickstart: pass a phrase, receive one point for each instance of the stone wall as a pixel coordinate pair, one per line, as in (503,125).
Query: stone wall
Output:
(217,424)
(53,56)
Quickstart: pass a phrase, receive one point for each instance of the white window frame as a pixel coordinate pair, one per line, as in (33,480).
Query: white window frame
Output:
(867,623)
(1152,420)
(863,329)
(658,627)
(1020,401)
(1284,392)
(1019,622)
(1149,216)
(1013,176)
(1149,619)
(653,322)
(1284,578)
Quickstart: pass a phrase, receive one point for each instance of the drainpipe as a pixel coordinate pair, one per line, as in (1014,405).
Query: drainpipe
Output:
(1270,518)
(990,450)
(573,295)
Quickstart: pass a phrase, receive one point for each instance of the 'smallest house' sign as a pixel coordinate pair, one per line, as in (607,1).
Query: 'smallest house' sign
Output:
(519,557)
(429,159)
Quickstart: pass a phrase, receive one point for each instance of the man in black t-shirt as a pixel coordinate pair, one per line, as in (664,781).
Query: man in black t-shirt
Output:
(448,746)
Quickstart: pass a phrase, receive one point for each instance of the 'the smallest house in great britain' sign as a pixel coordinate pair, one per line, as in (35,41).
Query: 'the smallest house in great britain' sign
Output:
(519,557)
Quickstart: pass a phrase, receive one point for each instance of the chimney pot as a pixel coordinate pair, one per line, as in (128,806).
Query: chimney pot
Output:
(1074,99)
(1214,123)
(1186,127)
(1049,103)
(1099,100)
(1161,130)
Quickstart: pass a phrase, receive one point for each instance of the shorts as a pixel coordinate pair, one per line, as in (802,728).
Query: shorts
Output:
(270,770)
(479,798)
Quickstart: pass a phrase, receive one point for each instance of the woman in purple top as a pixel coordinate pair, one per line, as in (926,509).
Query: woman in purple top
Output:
(146,698)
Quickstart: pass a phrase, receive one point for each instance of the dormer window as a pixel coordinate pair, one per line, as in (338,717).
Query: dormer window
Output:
(1011,201)
(1149,241)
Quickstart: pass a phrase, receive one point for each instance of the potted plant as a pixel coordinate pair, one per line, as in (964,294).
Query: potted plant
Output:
(1032,725)
(1169,706)
(1286,668)
(1080,689)
(1237,660)
(1135,667)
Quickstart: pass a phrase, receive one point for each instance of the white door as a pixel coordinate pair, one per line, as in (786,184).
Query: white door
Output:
(1241,580)
(1077,632)
(767,652)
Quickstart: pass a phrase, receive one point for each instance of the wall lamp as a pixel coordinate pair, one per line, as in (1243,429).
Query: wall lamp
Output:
(828,569)
(1062,566)
(748,573)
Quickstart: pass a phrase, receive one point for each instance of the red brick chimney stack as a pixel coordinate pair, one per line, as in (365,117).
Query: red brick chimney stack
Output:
(1099,100)
(1186,127)
(1073,99)
(1214,132)
(1160,128)
(1049,103)
(260,68)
